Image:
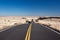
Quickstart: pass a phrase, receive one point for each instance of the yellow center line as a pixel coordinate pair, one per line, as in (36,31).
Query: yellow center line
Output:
(28,32)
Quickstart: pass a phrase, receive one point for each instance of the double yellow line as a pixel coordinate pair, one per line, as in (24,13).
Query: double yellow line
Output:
(28,32)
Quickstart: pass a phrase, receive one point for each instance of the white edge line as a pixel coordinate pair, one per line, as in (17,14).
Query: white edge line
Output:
(51,29)
(7,28)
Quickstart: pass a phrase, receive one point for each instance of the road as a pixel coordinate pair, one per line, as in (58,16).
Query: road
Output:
(42,33)
(37,32)
(15,33)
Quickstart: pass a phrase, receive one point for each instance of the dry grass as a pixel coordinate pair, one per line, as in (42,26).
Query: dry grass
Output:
(54,23)
(10,21)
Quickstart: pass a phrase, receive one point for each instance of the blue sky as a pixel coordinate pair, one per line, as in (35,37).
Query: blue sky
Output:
(29,8)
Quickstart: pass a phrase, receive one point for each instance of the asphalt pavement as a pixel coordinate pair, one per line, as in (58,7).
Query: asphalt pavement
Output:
(38,32)
(42,33)
(15,33)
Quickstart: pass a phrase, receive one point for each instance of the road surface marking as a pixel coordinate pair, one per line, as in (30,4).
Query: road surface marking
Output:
(51,29)
(28,32)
